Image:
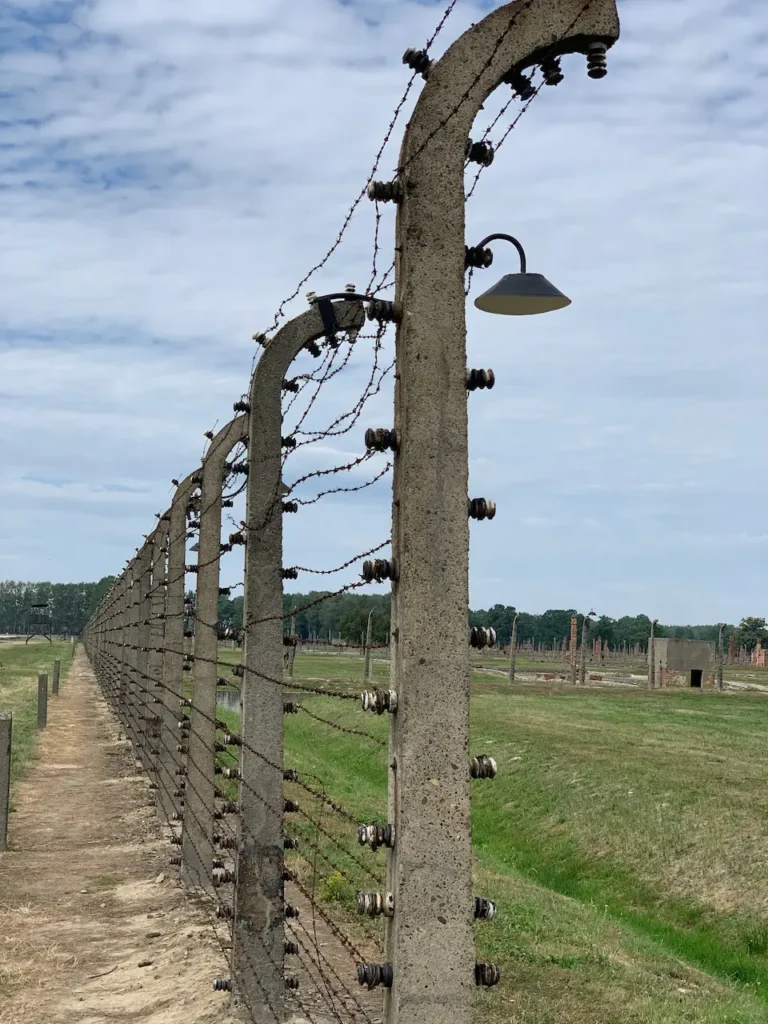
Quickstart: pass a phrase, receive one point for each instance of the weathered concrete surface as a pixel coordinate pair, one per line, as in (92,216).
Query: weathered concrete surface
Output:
(680,656)
(259,931)
(87,893)
(170,759)
(430,940)
(199,807)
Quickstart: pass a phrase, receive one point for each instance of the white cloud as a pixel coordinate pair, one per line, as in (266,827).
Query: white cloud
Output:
(171,172)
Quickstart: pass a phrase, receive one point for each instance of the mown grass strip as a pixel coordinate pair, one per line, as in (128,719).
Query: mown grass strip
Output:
(20,666)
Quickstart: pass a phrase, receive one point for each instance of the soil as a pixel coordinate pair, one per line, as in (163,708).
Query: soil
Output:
(95,927)
(86,891)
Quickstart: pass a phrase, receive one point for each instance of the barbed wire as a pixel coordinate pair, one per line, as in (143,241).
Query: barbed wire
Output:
(280,313)
(158,767)
(134,705)
(342,728)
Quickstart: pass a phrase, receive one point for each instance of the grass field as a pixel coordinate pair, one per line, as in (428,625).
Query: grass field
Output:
(19,669)
(624,840)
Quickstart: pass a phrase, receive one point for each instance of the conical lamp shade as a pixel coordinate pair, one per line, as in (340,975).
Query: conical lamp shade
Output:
(522,295)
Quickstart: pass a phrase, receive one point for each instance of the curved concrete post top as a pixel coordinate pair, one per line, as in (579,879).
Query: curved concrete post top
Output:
(225,440)
(145,551)
(184,491)
(514,36)
(431,213)
(282,348)
(158,537)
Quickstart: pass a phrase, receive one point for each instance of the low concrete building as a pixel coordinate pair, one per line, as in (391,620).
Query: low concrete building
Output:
(686,662)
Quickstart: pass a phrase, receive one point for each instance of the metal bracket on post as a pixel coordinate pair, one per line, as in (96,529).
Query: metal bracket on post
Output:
(429,941)
(197,836)
(328,316)
(258,940)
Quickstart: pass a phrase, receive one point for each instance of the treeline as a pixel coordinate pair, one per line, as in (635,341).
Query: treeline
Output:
(70,605)
(345,617)
(316,617)
(554,626)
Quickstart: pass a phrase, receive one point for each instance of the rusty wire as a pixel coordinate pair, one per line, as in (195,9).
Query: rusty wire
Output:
(280,313)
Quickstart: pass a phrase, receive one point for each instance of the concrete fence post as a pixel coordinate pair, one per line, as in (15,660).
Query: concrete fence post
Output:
(585,623)
(199,807)
(6,732)
(121,652)
(292,648)
(258,940)
(513,648)
(56,674)
(367,660)
(171,760)
(156,643)
(142,665)
(430,937)
(42,700)
(652,656)
(131,652)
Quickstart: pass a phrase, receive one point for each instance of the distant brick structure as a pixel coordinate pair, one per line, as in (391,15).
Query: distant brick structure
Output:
(573,652)
(758,657)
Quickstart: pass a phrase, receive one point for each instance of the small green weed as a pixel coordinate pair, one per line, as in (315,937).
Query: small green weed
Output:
(336,889)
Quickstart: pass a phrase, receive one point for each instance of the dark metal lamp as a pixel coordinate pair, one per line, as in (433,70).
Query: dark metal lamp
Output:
(520,294)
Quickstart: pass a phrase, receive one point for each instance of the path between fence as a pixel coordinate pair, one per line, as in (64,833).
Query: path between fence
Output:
(85,891)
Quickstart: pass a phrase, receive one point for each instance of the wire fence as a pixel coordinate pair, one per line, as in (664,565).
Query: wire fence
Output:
(299,872)
(177,679)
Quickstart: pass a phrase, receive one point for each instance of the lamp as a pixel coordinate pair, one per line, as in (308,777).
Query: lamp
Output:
(520,294)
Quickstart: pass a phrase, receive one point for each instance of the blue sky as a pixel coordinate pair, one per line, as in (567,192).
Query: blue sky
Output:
(169,171)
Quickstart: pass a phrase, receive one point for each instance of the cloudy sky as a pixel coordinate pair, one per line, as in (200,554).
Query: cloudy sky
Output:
(170,171)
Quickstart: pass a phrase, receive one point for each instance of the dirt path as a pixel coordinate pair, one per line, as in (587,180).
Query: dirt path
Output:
(86,894)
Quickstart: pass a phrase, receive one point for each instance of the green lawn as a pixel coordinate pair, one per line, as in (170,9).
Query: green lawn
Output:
(19,669)
(624,840)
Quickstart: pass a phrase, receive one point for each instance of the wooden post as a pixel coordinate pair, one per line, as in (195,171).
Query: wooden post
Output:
(42,700)
(6,729)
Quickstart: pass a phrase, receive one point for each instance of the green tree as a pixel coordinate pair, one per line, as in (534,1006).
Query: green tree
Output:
(751,632)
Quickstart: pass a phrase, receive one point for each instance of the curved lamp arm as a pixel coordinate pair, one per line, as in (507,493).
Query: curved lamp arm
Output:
(506,238)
